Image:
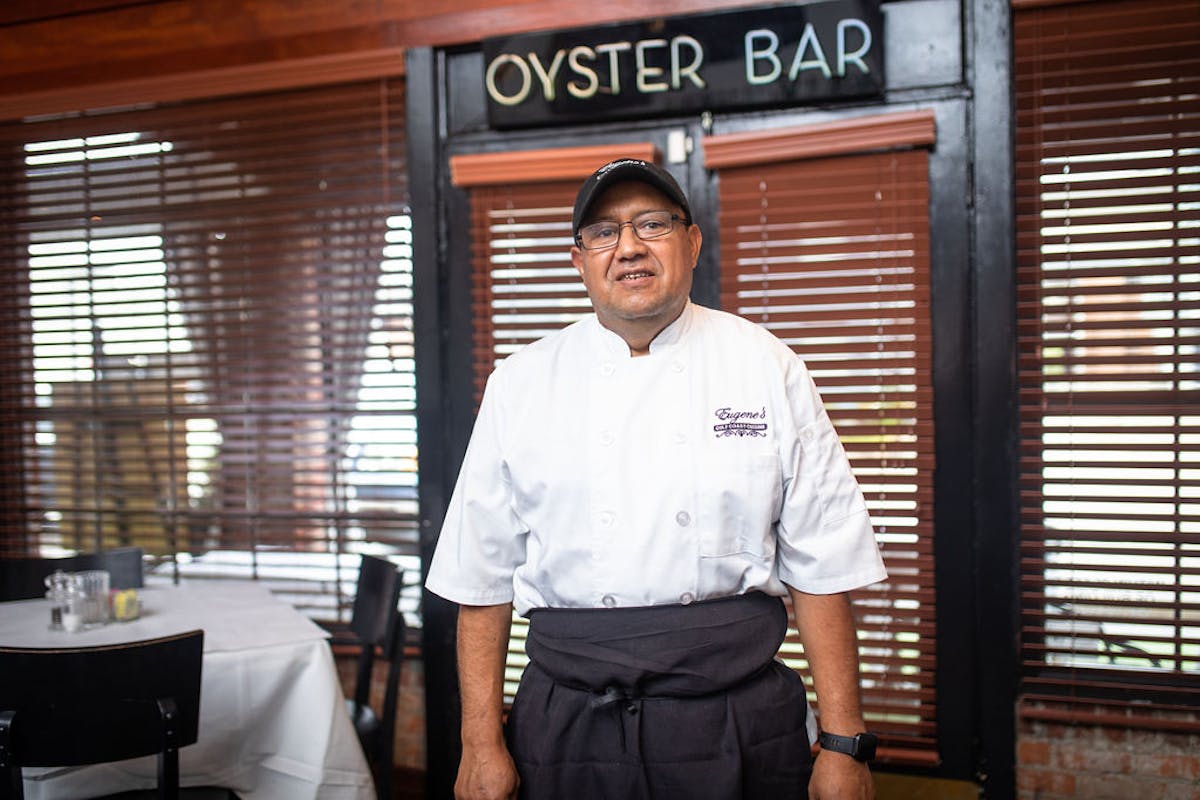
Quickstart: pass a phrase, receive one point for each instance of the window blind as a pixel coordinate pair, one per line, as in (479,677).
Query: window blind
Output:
(210,348)
(831,254)
(524,284)
(1108,198)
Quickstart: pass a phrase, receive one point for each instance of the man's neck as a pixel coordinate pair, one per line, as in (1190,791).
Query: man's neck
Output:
(638,342)
(639,334)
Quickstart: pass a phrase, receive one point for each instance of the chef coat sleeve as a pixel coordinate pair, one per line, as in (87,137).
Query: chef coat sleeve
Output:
(825,539)
(482,540)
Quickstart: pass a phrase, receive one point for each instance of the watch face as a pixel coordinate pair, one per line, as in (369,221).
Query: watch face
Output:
(865,746)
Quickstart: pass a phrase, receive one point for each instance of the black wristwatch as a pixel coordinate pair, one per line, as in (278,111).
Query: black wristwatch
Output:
(860,746)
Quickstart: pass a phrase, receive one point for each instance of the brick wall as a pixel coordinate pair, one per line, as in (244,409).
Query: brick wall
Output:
(1083,762)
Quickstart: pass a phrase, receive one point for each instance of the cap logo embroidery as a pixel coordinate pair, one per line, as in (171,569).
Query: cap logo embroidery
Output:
(740,423)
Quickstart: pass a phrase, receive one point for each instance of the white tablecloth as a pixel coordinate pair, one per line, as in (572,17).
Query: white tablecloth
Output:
(273,723)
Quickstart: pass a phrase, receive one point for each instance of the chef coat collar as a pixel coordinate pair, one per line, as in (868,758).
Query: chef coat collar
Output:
(613,346)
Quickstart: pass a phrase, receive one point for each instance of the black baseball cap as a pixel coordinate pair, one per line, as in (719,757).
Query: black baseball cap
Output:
(626,169)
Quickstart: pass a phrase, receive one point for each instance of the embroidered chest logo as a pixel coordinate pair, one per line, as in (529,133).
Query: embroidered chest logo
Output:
(740,423)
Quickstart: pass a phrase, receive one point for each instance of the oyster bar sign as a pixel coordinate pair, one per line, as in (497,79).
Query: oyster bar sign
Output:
(778,56)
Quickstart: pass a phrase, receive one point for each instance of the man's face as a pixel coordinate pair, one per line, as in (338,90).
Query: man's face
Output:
(638,285)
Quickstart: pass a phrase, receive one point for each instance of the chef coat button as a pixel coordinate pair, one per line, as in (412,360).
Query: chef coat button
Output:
(683,519)
(677,366)
(606,518)
(606,438)
(608,600)
(607,369)
(807,435)
(679,437)
(686,598)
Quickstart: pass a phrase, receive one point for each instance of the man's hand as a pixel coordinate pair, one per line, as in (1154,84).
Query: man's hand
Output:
(486,773)
(826,628)
(837,776)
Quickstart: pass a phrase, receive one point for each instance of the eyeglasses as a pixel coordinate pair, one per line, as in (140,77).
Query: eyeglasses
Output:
(647,225)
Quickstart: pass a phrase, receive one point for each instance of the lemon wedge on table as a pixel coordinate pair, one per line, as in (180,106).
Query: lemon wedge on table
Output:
(125,605)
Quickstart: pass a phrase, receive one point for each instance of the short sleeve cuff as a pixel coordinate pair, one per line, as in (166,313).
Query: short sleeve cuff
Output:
(835,584)
(494,596)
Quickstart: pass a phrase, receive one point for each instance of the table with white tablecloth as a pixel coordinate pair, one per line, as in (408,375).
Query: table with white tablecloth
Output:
(273,723)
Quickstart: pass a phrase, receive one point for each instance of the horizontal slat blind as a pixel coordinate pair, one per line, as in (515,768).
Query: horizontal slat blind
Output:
(1108,195)
(832,256)
(212,356)
(523,283)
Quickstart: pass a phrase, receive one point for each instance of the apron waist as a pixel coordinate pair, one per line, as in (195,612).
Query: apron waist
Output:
(658,651)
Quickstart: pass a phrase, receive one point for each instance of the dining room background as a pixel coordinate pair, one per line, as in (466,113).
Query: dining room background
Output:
(257,258)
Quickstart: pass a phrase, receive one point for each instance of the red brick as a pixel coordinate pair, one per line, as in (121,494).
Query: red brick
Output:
(1045,781)
(1085,759)
(1033,752)
(1113,736)
(1182,791)
(1120,787)
(1059,732)
(1027,782)
(1168,766)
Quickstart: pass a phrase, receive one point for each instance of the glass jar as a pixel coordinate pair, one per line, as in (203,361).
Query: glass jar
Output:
(58,587)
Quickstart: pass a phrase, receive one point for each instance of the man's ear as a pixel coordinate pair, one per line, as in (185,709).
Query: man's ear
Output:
(577,259)
(697,239)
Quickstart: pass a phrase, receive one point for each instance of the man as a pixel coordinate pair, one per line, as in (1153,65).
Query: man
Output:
(645,485)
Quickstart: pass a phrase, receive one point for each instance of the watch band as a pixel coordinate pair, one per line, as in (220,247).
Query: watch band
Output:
(860,746)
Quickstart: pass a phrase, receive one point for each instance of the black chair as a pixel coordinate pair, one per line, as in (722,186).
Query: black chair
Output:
(24,578)
(376,622)
(92,705)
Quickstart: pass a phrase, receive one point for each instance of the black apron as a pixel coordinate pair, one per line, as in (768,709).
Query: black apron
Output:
(661,702)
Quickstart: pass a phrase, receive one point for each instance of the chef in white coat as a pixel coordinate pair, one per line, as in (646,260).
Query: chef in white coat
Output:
(646,485)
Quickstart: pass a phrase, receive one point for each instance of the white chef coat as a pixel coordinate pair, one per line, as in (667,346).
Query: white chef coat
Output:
(704,469)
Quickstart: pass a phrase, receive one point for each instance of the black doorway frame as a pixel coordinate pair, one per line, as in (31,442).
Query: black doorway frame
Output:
(972,257)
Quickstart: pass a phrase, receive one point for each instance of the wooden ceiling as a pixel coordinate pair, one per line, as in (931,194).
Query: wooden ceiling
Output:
(25,11)
(50,50)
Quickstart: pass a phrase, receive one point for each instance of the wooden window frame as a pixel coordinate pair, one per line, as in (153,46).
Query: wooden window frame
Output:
(914,131)
(1095,115)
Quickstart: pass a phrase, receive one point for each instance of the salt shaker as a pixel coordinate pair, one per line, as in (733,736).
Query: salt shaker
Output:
(57,589)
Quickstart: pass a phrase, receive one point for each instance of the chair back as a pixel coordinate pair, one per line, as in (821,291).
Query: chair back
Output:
(377,623)
(24,578)
(90,705)
(393,653)
(376,603)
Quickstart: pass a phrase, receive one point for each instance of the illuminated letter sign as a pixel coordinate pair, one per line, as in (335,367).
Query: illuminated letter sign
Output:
(771,57)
